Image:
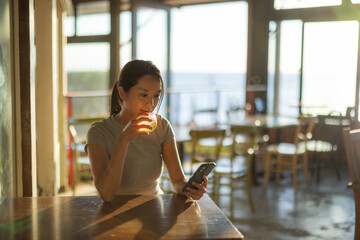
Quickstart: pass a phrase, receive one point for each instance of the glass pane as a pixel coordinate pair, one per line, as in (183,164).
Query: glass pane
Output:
(88,70)
(87,65)
(125,38)
(93,18)
(290,63)
(6,117)
(289,4)
(69,26)
(90,106)
(151,40)
(208,55)
(330,63)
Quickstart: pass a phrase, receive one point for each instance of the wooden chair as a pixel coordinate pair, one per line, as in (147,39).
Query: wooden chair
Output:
(201,153)
(81,164)
(289,157)
(326,142)
(239,168)
(352,149)
(237,113)
(205,119)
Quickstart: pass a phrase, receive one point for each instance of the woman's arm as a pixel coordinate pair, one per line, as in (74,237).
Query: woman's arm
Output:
(177,177)
(107,173)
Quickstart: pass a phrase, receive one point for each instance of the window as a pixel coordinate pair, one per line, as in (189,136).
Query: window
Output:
(290,64)
(208,59)
(87,66)
(125,37)
(151,41)
(93,18)
(289,4)
(330,65)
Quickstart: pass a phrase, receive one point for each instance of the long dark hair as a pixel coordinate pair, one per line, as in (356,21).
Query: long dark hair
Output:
(129,77)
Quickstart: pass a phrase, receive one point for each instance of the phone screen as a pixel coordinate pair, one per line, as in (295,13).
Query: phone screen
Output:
(204,169)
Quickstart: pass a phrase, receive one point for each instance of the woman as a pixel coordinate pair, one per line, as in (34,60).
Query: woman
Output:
(126,160)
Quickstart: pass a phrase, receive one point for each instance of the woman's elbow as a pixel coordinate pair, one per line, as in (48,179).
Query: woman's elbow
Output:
(105,196)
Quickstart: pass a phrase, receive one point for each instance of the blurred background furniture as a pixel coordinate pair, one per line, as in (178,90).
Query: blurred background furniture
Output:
(78,159)
(272,131)
(352,147)
(201,153)
(204,117)
(238,112)
(289,157)
(326,143)
(238,167)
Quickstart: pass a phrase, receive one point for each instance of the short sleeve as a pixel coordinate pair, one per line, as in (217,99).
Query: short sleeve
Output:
(167,131)
(96,135)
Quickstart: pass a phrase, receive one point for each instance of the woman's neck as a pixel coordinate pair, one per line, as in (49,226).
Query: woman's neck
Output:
(123,118)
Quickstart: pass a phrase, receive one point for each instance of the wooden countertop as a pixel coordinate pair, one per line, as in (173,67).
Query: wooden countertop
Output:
(164,216)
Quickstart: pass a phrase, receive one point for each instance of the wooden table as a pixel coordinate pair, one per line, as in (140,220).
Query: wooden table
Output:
(266,121)
(269,124)
(164,216)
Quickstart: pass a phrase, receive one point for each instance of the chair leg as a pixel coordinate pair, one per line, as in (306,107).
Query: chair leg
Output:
(267,169)
(318,166)
(335,165)
(76,176)
(294,172)
(306,169)
(250,199)
(215,193)
(231,197)
(278,168)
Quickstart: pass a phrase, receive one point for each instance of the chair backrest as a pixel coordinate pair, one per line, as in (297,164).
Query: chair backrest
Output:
(304,130)
(352,149)
(79,127)
(73,133)
(238,112)
(250,133)
(328,127)
(213,134)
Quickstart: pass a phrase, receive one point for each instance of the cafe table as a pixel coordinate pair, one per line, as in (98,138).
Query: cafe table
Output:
(266,121)
(166,216)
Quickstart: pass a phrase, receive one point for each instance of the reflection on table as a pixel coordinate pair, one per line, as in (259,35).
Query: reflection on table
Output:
(126,217)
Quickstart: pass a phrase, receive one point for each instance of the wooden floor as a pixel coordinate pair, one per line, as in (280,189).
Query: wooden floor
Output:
(320,211)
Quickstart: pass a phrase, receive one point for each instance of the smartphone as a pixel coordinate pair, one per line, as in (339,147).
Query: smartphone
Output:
(203,169)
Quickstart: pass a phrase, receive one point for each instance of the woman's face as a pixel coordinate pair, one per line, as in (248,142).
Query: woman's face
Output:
(143,97)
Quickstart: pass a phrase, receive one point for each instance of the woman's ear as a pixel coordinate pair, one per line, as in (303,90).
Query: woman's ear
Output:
(122,93)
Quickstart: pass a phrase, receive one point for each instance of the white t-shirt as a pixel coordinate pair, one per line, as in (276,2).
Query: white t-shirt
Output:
(143,164)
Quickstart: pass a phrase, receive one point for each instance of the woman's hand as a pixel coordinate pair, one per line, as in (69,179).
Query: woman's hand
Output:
(132,129)
(196,194)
